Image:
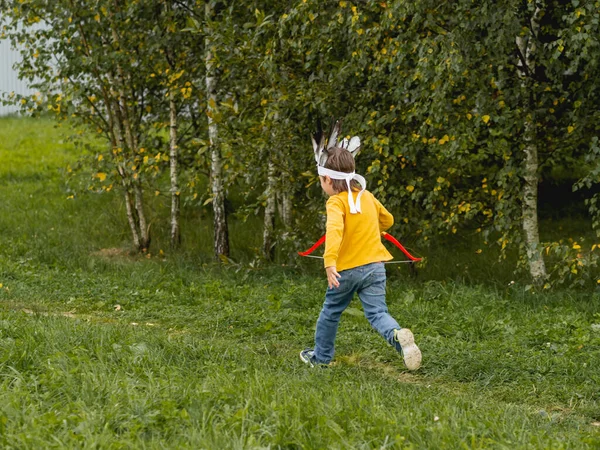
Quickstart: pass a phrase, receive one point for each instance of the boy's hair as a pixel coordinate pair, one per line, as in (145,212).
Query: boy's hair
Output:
(341,160)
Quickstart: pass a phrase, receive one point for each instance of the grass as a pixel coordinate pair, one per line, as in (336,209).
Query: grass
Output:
(102,350)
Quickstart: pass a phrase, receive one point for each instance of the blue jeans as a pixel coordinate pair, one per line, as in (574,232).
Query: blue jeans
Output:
(369,282)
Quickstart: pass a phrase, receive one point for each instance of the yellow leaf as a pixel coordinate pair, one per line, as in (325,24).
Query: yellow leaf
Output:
(576,246)
(101,176)
(100,157)
(469,116)
(156,192)
(410,188)
(485,119)
(570,128)
(478,251)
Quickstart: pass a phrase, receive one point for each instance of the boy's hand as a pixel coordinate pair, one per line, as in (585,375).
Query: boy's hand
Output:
(332,277)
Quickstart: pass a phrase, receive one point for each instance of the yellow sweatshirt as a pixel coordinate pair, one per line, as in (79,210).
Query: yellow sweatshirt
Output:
(355,239)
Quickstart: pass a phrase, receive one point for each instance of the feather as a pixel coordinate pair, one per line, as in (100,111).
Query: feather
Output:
(323,157)
(335,132)
(354,146)
(317,147)
(343,143)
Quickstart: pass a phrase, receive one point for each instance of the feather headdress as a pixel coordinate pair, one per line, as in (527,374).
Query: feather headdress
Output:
(321,148)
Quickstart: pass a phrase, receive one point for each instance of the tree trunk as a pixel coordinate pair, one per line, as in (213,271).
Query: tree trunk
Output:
(173,159)
(286,210)
(221,237)
(270,209)
(537,268)
(139,209)
(527,47)
(131,219)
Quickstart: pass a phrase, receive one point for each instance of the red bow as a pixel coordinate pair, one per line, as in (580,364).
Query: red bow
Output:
(386,236)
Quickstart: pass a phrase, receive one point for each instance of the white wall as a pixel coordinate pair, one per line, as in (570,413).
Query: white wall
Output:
(8,76)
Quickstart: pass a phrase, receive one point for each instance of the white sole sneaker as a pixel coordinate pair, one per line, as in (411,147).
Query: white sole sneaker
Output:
(410,352)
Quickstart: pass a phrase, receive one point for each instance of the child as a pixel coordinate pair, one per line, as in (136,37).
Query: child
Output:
(354,256)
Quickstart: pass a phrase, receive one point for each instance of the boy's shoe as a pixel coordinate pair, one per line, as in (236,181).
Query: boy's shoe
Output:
(410,352)
(308,357)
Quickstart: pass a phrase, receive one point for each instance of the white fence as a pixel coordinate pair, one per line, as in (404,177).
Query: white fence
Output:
(9,81)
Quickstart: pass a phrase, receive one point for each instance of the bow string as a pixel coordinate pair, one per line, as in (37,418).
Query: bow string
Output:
(388,237)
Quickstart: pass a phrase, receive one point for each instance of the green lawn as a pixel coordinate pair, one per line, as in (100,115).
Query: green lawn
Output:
(103,350)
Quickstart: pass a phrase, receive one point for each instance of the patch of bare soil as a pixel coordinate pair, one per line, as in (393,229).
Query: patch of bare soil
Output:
(115,254)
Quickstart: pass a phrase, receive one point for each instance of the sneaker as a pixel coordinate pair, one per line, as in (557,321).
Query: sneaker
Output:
(410,352)
(308,357)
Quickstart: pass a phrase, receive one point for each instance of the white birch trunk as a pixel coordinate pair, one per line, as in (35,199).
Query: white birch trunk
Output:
(221,237)
(537,268)
(270,209)
(125,180)
(286,210)
(131,219)
(173,160)
(127,136)
(139,208)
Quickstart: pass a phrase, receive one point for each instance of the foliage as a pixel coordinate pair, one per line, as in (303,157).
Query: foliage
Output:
(440,94)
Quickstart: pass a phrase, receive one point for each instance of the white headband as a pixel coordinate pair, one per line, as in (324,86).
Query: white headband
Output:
(335,175)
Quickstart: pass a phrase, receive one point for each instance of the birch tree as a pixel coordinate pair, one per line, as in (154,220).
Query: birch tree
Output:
(526,47)
(221,233)
(80,61)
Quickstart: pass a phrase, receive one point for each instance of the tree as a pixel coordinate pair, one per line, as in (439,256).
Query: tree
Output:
(89,66)
(466,98)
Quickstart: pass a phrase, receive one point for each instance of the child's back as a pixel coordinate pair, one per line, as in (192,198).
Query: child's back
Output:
(355,239)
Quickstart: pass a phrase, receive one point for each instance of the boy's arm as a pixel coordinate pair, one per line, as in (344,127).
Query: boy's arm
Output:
(386,220)
(335,231)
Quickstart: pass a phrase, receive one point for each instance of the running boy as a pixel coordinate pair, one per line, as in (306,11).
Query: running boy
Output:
(354,256)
